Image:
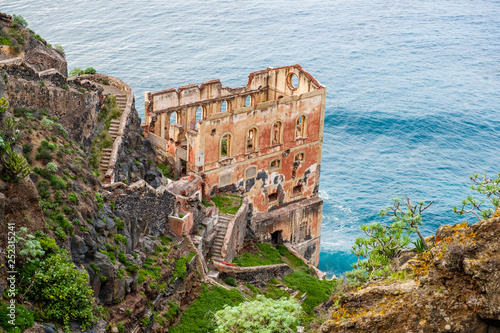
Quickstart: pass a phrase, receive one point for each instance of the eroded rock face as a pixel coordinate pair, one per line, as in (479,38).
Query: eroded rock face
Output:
(455,288)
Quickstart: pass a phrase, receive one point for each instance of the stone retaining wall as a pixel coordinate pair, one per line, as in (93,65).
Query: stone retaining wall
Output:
(253,274)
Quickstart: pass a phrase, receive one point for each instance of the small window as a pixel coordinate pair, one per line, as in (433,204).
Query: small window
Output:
(275,164)
(297,190)
(223,107)
(300,127)
(293,81)
(276,133)
(200,114)
(299,157)
(251,139)
(272,198)
(173,118)
(248,101)
(225,145)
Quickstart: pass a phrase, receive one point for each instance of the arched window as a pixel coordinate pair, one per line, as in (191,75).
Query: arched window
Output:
(224,106)
(173,118)
(200,114)
(248,101)
(276,133)
(300,127)
(226,145)
(252,139)
(299,157)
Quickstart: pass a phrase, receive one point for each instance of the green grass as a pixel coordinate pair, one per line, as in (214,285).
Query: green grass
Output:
(228,203)
(318,291)
(180,266)
(197,317)
(296,263)
(266,256)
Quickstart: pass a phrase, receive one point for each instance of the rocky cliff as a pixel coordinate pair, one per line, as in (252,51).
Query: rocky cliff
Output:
(26,44)
(454,287)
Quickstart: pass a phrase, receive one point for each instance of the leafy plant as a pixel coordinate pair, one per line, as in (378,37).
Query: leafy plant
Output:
(64,292)
(51,167)
(24,318)
(4,104)
(486,186)
(385,242)
(16,164)
(261,315)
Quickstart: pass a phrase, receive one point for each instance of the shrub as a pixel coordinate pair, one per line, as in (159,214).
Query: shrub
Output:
(64,292)
(47,123)
(60,49)
(120,273)
(121,239)
(180,266)
(57,183)
(27,148)
(73,198)
(173,311)
(230,281)
(65,86)
(261,315)
(89,70)
(81,90)
(20,20)
(24,318)
(62,131)
(16,164)
(51,167)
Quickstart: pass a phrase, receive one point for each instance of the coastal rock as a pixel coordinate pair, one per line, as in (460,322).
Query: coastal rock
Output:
(454,288)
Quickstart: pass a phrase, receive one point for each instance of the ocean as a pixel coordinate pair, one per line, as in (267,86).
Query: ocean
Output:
(413,87)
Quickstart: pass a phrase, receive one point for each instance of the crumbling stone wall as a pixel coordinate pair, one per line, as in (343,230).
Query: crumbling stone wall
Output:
(146,205)
(77,111)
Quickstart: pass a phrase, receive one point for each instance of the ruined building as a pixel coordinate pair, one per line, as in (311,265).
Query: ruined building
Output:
(263,140)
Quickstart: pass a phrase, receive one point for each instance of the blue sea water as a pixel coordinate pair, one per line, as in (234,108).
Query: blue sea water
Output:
(413,86)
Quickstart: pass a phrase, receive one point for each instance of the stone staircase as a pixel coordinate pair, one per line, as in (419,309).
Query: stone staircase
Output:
(121,101)
(114,127)
(219,239)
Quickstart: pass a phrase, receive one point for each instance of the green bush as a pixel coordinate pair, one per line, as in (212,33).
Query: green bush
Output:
(173,311)
(51,167)
(27,148)
(230,281)
(64,292)
(43,189)
(73,198)
(262,315)
(180,266)
(24,318)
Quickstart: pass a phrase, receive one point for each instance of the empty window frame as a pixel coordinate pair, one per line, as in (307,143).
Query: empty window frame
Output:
(248,101)
(276,133)
(252,139)
(275,164)
(293,81)
(174,118)
(299,157)
(300,127)
(297,190)
(200,115)
(272,198)
(226,145)
(224,106)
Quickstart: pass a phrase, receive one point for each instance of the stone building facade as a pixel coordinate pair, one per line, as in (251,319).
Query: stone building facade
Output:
(263,140)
